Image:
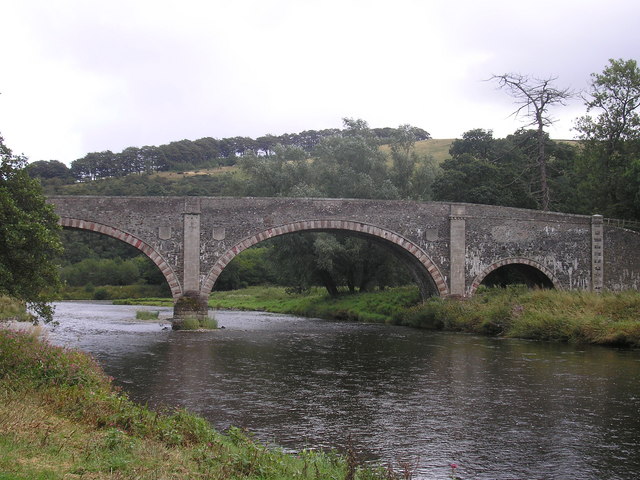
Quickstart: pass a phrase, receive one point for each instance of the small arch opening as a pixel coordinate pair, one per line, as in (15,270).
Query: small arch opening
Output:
(517,274)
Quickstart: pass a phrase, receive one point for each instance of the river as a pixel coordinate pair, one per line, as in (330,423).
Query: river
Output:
(498,408)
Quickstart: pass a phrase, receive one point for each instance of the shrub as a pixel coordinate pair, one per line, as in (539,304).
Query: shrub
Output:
(101,294)
(147,315)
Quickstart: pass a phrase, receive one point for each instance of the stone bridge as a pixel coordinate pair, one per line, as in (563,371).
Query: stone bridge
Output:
(450,248)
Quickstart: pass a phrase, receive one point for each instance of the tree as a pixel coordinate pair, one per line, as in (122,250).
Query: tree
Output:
(404,158)
(611,140)
(265,145)
(52,174)
(335,261)
(496,171)
(535,96)
(474,180)
(351,164)
(95,165)
(477,142)
(616,94)
(49,169)
(29,242)
(153,159)
(276,175)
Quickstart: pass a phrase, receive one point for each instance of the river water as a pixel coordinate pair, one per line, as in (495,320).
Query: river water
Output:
(499,409)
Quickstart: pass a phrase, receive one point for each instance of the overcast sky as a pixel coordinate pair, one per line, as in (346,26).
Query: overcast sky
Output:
(78,76)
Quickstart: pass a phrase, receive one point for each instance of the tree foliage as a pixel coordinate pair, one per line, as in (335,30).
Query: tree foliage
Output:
(338,262)
(611,140)
(29,242)
(185,155)
(282,173)
(484,169)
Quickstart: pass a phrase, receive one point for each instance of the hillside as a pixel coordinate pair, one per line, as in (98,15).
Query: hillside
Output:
(435,147)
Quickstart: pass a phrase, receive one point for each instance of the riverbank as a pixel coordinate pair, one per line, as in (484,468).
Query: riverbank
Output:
(60,417)
(386,306)
(12,309)
(515,312)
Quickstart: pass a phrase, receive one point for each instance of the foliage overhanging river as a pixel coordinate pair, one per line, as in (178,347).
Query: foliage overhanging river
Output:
(500,409)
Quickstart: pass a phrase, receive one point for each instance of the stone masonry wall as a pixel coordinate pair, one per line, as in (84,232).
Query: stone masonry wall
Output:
(559,245)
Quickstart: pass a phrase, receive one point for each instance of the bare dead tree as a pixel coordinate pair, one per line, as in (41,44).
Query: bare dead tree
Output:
(535,96)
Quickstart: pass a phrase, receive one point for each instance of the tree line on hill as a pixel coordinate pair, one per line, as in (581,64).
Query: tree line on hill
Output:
(598,174)
(188,155)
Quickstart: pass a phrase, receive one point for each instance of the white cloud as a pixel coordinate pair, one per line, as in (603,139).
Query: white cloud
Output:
(84,76)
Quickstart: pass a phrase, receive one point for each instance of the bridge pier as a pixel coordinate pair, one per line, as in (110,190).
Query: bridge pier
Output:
(457,250)
(190,305)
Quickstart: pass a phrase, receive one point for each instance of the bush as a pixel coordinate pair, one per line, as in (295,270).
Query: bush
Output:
(147,315)
(101,294)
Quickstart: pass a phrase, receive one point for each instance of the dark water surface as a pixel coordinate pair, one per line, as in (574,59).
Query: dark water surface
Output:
(500,409)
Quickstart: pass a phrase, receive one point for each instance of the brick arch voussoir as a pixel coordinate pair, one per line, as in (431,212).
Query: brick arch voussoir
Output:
(320,225)
(513,261)
(148,250)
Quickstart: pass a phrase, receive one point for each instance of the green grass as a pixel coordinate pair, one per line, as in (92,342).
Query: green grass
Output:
(517,312)
(149,301)
(582,317)
(147,315)
(437,148)
(61,418)
(12,309)
(377,306)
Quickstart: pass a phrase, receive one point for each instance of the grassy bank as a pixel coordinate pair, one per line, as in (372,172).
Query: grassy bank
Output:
(60,418)
(517,312)
(582,317)
(380,306)
(12,309)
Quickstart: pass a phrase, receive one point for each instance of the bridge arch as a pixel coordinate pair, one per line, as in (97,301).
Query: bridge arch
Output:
(514,261)
(148,250)
(419,262)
